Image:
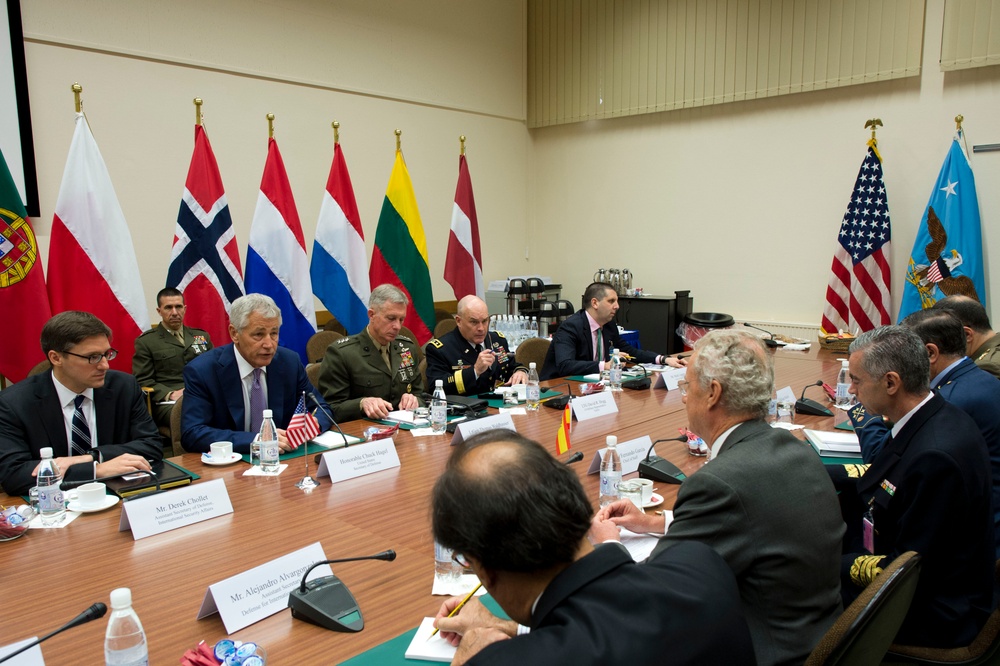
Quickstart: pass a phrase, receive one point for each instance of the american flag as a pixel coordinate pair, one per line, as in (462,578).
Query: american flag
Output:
(303,425)
(858,298)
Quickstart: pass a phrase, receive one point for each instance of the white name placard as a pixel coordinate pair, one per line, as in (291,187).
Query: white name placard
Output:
(591,406)
(180,507)
(467,429)
(354,461)
(260,592)
(631,452)
(30,657)
(668,378)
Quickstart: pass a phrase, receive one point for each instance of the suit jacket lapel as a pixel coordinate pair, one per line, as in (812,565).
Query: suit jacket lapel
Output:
(275,390)
(231,385)
(104,407)
(373,356)
(895,448)
(52,417)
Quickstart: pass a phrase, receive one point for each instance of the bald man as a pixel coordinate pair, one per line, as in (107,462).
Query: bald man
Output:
(471,359)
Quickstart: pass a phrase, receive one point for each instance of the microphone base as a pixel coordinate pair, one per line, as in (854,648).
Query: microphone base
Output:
(328,603)
(811,408)
(557,403)
(637,384)
(660,469)
(772,343)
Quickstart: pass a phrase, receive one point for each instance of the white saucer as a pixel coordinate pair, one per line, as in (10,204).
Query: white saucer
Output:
(209,460)
(654,500)
(109,501)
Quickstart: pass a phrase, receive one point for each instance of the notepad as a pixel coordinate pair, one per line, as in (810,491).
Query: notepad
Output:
(434,649)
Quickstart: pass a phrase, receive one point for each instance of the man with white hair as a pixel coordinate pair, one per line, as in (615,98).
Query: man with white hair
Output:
(228,388)
(763,501)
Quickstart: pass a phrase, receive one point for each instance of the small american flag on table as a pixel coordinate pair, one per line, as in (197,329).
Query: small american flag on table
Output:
(303,425)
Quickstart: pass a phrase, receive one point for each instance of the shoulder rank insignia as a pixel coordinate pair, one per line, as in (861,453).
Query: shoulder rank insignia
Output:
(437,343)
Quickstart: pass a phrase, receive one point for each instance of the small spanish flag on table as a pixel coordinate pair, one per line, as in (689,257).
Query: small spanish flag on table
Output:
(562,437)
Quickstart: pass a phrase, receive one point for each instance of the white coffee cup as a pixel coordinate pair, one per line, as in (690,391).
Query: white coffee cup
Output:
(647,489)
(222,450)
(91,495)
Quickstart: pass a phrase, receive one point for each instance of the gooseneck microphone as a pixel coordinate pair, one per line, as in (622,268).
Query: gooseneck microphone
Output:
(660,469)
(558,401)
(95,612)
(770,342)
(806,406)
(576,457)
(312,396)
(327,602)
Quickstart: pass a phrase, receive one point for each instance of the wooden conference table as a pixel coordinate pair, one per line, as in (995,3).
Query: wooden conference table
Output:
(49,576)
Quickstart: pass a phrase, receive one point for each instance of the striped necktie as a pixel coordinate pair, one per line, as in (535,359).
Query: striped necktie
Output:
(599,347)
(80,441)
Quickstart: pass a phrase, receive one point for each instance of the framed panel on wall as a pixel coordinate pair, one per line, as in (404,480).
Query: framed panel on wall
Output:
(15,119)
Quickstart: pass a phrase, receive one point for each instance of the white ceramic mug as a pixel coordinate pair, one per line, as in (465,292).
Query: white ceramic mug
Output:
(647,490)
(91,495)
(222,450)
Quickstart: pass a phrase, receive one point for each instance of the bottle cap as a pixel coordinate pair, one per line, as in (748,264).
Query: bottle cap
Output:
(268,414)
(121,597)
(45,452)
(612,440)
(439,382)
(531,366)
(844,363)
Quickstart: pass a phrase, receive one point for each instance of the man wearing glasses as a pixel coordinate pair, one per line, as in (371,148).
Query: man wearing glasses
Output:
(471,359)
(94,419)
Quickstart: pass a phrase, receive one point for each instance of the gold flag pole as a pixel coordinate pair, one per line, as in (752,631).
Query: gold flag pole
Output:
(461,143)
(399,133)
(270,126)
(336,132)
(77,89)
(958,122)
(197,110)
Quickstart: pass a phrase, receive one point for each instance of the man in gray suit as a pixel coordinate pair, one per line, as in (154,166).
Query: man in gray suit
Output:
(763,501)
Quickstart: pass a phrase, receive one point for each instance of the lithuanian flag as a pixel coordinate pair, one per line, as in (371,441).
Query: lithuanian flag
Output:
(400,255)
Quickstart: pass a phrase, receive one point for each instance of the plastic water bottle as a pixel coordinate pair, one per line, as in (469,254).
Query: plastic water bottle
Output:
(611,472)
(772,409)
(50,495)
(615,376)
(534,391)
(439,408)
(446,569)
(844,399)
(533,328)
(125,641)
(269,461)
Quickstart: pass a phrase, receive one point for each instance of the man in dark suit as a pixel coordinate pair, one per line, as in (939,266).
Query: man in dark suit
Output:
(928,490)
(519,519)
(763,501)
(956,379)
(582,344)
(227,388)
(162,352)
(470,359)
(94,419)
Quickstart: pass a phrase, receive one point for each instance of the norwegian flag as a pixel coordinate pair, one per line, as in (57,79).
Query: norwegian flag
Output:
(303,425)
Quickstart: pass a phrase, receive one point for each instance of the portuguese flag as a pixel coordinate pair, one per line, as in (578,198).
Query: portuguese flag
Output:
(400,255)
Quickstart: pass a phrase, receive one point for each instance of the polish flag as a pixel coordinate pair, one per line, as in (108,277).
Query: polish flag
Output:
(92,264)
(463,267)
(277,263)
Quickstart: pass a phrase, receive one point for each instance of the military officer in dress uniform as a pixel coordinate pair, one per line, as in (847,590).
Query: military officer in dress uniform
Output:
(375,371)
(981,341)
(471,359)
(162,352)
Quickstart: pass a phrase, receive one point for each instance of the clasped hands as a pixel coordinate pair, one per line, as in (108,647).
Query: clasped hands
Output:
(377,408)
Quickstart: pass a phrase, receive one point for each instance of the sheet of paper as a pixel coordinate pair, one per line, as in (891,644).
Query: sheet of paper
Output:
(332,439)
(639,546)
(428,648)
(31,657)
(257,471)
(514,411)
(36,522)
(459,588)
(786,426)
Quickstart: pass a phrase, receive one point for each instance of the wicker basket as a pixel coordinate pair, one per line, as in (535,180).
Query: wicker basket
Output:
(835,343)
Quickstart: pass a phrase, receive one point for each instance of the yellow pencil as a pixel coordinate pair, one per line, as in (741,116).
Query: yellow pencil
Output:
(458,607)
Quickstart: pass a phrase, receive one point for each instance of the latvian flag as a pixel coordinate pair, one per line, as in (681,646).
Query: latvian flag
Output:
(277,264)
(339,259)
(463,267)
(204,259)
(92,264)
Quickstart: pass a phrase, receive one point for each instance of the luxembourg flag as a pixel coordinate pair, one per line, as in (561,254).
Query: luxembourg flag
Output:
(463,266)
(92,264)
(339,267)
(204,259)
(277,264)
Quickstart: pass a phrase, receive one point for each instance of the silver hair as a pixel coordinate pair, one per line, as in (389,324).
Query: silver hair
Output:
(740,363)
(244,306)
(387,293)
(895,349)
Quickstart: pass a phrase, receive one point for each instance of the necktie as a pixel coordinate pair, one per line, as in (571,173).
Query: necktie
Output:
(179,334)
(80,440)
(257,405)
(599,347)
(385,357)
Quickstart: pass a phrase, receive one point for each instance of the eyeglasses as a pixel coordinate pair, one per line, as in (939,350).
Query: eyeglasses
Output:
(460,560)
(95,358)
(682,386)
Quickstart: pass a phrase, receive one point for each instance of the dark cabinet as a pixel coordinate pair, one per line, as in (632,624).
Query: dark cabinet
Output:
(656,318)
